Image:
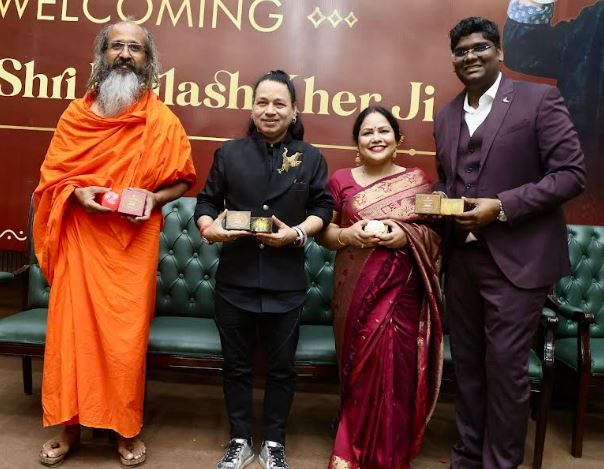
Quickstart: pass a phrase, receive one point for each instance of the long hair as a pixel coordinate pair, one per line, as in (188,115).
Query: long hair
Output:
(150,76)
(296,129)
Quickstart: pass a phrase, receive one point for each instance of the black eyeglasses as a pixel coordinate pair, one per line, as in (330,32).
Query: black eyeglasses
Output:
(479,49)
(133,47)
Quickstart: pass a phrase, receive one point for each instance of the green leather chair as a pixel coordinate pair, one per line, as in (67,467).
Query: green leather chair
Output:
(579,302)
(183,334)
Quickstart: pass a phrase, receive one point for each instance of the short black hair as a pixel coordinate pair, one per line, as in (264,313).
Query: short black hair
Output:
(475,24)
(296,129)
(356,128)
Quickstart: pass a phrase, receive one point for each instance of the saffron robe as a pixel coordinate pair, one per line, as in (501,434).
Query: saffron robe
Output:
(102,267)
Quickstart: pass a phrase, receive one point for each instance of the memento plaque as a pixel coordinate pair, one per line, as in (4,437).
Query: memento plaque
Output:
(132,202)
(261,224)
(435,204)
(238,220)
(451,206)
(427,204)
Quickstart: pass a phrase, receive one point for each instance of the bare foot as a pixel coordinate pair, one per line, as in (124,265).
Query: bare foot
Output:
(131,450)
(60,445)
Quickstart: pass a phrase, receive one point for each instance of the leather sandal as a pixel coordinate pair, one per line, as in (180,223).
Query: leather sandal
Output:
(55,461)
(134,462)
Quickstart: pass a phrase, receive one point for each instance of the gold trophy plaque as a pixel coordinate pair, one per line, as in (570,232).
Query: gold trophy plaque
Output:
(238,220)
(435,204)
(261,224)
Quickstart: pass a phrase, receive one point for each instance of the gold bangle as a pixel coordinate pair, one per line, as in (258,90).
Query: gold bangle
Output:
(339,240)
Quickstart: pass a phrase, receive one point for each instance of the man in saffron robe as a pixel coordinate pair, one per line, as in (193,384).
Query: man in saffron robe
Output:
(102,266)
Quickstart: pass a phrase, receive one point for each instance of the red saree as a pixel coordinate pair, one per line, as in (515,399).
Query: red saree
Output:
(386,306)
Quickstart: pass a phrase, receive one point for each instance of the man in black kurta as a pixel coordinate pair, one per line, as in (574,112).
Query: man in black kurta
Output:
(260,287)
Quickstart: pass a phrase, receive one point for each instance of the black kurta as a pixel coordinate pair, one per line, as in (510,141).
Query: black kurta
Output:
(244,176)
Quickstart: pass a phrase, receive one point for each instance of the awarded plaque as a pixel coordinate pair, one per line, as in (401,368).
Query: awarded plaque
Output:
(427,204)
(435,204)
(238,220)
(261,224)
(132,202)
(451,206)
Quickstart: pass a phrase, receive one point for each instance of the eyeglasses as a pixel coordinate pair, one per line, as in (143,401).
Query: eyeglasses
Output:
(478,50)
(133,47)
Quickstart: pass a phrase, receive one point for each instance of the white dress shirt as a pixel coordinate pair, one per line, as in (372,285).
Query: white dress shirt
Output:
(475,117)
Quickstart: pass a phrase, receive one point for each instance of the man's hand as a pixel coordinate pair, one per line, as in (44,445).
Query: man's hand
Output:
(214,232)
(86,197)
(150,204)
(483,213)
(284,235)
(396,238)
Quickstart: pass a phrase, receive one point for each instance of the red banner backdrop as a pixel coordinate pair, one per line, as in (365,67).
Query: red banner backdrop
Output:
(345,54)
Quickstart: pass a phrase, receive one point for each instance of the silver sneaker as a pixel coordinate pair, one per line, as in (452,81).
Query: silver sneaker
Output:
(272,455)
(237,455)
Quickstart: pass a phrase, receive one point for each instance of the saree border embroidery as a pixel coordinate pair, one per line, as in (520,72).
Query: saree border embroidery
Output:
(392,197)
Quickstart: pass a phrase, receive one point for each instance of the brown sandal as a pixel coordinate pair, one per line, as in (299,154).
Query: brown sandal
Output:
(134,462)
(55,461)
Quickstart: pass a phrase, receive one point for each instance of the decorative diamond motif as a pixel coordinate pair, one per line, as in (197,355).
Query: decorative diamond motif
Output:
(335,18)
(351,19)
(316,17)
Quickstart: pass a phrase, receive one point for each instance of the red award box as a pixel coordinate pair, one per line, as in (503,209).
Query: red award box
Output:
(132,202)
(111,200)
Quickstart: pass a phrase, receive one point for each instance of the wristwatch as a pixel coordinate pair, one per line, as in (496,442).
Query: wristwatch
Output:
(501,216)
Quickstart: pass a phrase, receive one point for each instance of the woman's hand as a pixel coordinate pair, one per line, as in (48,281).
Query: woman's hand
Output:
(284,235)
(396,238)
(214,232)
(355,235)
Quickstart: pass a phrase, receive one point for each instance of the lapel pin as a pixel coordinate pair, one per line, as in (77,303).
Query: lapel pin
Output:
(506,100)
(289,161)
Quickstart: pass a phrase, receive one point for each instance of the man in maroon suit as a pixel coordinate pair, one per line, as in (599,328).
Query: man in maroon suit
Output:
(510,149)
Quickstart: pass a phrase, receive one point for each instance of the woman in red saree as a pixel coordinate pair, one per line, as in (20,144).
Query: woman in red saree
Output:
(386,303)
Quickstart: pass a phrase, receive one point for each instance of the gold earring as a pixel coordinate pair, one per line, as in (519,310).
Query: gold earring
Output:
(357,160)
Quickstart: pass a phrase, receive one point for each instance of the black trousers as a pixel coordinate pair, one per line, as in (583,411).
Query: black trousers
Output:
(279,334)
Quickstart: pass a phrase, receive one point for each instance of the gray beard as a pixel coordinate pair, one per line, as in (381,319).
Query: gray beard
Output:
(117,92)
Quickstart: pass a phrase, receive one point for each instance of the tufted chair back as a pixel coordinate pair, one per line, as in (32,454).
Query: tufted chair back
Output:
(584,287)
(187,268)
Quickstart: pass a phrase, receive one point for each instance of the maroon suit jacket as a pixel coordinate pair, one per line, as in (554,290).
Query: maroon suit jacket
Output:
(532,161)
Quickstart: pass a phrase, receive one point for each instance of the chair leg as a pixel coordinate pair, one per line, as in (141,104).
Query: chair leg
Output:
(535,406)
(579,417)
(542,416)
(27,378)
